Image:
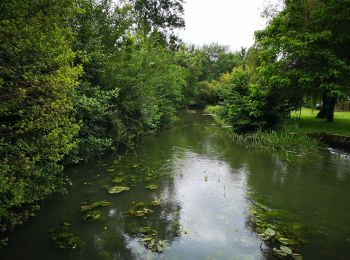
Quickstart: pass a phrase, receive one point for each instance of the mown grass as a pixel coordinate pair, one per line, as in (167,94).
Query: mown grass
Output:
(308,123)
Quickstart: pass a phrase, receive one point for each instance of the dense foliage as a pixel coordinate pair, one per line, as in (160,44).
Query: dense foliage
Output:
(37,78)
(79,78)
(301,54)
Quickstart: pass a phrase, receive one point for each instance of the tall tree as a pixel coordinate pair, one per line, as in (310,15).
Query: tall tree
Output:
(304,53)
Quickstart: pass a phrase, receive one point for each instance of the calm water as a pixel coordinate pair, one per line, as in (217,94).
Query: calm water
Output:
(206,185)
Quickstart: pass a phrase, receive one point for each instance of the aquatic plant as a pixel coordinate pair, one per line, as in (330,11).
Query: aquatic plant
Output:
(92,215)
(118,180)
(156,202)
(102,203)
(117,189)
(151,187)
(283,238)
(63,239)
(151,241)
(139,209)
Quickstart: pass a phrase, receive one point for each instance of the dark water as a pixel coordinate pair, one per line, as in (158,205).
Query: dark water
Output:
(206,185)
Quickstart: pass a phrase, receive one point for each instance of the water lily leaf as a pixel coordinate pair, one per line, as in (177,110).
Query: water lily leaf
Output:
(152,187)
(145,239)
(279,252)
(145,229)
(118,180)
(139,213)
(156,202)
(270,232)
(285,241)
(102,203)
(286,250)
(117,189)
(139,205)
(297,257)
(92,215)
(263,236)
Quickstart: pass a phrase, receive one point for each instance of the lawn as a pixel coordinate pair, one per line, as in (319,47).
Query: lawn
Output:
(308,123)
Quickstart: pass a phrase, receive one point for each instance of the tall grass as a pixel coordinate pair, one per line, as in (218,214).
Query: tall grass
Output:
(287,141)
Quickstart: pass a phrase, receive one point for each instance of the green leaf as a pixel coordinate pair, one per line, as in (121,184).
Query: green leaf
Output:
(286,250)
(270,232)
(152,187)
(118,189)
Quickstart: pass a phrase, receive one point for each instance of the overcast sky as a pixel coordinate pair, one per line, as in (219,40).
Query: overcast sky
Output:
(227,22)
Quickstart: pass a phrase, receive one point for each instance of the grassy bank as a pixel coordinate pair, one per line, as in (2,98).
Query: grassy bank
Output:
(288,141)
(308,123)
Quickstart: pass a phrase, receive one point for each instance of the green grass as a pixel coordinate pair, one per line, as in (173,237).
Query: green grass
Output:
(308,123)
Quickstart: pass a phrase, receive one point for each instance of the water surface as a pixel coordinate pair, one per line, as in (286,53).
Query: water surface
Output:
(206,185)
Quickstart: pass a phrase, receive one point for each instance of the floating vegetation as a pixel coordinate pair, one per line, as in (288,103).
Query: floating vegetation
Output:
(176,227)
(139,210)
(110,170)
(97,204)
(156,202)
(92,215)
(282,251)
(151,241)
(154,244)
(152,174)
(117,189)
(63,239)
(152,187)
(118,180)
(270,224)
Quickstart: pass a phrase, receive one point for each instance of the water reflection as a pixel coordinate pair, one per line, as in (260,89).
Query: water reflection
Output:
(206,185)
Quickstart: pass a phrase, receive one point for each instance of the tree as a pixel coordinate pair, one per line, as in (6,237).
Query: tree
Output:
(37,121)
(159,17)
(304,53)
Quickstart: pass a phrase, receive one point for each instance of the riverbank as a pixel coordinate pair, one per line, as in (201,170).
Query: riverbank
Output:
(308,123)
(288,141)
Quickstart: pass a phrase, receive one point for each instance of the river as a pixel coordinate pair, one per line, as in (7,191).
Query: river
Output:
(206,185)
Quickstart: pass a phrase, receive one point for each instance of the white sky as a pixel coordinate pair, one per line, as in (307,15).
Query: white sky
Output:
(227,22)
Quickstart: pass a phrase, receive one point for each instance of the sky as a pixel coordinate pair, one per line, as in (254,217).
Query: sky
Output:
(227,22)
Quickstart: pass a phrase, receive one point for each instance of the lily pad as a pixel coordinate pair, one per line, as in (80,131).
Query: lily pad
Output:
(279,252)
(63,239)
(117,189)
(270,232)
(148,230)
(140,212)
(156,202)
(92,215)
(152,187)
(118,180)
(286,250)
(285,241)
(154,244)
(101,203)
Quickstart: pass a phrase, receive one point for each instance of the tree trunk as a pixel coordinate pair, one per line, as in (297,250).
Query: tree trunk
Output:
(327,109)
(330,111)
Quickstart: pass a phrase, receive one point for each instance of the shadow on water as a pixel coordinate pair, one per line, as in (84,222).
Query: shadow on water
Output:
(206,184)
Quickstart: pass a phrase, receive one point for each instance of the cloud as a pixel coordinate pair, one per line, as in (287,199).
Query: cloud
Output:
(227,22)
